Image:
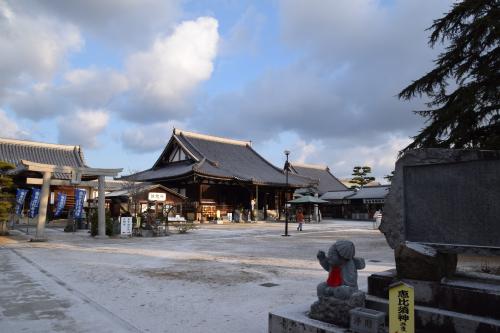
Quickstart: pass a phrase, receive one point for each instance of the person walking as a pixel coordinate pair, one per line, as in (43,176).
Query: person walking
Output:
(377,217)
(300,219)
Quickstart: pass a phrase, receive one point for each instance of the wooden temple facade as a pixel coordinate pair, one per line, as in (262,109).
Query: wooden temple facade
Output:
(221,176)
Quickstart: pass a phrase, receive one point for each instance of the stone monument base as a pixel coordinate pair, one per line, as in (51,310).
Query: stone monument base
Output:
(295,319)
(336,311)
(462,303)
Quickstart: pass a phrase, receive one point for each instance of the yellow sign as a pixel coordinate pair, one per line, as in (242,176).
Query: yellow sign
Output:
(401,308)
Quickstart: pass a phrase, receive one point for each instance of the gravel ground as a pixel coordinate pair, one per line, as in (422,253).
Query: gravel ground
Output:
(218,278)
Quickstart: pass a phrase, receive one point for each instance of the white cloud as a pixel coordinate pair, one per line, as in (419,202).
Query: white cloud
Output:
(380,155)
(80,88)
(353,59)
(163,78)
(32,47)
(93,88)
(341,155)
(10,129)
(155,85)
(123,24)
(147,138)
(83,127)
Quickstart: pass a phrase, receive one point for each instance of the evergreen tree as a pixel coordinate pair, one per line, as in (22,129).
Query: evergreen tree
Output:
(361,177)
(463,88)
(6,196)
(389,176)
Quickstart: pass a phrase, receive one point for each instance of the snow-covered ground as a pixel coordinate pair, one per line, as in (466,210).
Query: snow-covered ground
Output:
(208,280)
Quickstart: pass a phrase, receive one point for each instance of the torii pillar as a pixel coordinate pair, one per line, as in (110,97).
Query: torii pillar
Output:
(101,213)
(42,211)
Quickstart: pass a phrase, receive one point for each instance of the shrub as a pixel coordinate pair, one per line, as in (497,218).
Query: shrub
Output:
(184,227)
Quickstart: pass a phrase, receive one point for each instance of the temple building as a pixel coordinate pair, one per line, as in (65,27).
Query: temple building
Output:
(325,181)
(220,176)
(356,205)
(137,198)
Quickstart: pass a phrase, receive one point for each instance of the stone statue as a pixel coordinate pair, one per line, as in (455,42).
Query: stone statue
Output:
(342,267)
(339,293)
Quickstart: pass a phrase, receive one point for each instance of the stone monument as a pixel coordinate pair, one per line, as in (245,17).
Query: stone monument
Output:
(339,294)
(443,203)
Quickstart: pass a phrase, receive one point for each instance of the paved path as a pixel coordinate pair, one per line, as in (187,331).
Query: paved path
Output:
(209,280)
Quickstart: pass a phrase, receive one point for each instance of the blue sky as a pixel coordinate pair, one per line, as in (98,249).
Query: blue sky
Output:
(316,77)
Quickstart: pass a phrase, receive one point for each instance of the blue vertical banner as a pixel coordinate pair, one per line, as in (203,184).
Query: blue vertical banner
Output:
(79,199)
(61,202)
(34,203)
(20,197)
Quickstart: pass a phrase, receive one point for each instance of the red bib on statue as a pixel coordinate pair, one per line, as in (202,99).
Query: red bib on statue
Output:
(334,277)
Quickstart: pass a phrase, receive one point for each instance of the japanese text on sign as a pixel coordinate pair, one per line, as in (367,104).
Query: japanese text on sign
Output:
(156,196)
(401,308)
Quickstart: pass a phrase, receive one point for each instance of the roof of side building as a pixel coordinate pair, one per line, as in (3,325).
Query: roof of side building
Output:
(372,192)
(326,180)
(12,151)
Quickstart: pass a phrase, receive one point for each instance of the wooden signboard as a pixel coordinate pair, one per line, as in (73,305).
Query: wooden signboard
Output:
(401,308)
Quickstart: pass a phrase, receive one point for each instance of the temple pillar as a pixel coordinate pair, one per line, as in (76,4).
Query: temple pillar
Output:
(256,203)
(42,211)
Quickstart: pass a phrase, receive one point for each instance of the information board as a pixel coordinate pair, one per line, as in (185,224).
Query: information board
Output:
(126,226)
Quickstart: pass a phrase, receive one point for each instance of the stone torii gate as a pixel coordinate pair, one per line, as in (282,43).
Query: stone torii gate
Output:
(47,170)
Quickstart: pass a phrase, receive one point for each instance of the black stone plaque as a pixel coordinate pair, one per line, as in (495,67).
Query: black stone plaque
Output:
(453,203)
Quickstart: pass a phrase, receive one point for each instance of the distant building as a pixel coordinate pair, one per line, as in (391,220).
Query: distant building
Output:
(357,205)
(324,180)
(220,175)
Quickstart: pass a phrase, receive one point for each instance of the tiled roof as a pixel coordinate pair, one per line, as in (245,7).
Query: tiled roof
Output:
(326,181)
(177,169)
(372,192)
(109,185)
(140,188)
(12,151)
(337,195)
(369,192)
(223,158)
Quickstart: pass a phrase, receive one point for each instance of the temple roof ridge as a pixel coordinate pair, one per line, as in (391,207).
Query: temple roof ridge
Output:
(309,165)
(39,144)
(220,139)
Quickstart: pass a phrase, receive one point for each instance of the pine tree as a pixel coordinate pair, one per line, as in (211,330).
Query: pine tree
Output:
(463,88)
(361,177)
(389,176)
(6,196)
